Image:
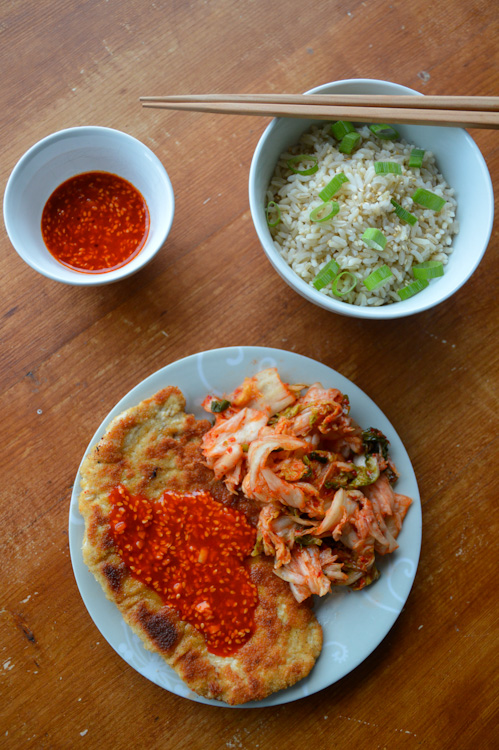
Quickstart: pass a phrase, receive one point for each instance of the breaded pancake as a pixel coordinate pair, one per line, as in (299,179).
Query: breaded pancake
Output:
(154,447)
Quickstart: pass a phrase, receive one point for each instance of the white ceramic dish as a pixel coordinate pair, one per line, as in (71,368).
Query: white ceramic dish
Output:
(458,159)
(354,623)
(69,152)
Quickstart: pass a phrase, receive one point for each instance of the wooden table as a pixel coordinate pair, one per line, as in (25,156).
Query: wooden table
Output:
(69,354)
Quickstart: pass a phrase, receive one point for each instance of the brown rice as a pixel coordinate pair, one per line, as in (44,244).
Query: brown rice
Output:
(364,202)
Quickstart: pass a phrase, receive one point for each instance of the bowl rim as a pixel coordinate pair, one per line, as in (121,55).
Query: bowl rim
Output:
(78,278)
(401,309)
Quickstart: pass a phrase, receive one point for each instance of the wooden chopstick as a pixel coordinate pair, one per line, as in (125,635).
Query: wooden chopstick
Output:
(480,103)
(394,109)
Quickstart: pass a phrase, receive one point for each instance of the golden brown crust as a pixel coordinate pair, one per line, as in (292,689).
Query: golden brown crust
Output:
(149,448)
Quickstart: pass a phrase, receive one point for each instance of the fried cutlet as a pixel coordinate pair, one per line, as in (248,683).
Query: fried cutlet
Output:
(150,448)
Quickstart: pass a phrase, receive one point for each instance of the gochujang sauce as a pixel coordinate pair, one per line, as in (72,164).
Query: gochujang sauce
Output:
(189,548)
(95,222)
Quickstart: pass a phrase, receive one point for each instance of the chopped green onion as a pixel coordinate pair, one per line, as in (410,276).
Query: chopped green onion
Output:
(343,292)
(428,200)
(411,289)
(384,131)
(403,214)
(430,269)
(348,143)
(416,157)
(325,211)
(341,128)
(301,158)
(376,278)
(375,239)
(387,167)
(273,207)
(333,186)
(219,406)
(326,274)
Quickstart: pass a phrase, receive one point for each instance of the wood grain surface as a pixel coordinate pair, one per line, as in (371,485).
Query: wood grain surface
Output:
(68,354)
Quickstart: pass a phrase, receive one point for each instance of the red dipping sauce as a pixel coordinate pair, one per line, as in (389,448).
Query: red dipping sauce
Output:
(95,222)
(189,549)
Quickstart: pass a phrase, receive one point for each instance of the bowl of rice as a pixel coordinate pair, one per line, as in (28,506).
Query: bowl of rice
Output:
(370,221)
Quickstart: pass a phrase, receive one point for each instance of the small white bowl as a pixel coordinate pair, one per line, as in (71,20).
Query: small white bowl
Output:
(74,151)
(458,159)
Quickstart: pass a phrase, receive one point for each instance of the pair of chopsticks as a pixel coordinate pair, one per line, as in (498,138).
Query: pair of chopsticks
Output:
(456,111)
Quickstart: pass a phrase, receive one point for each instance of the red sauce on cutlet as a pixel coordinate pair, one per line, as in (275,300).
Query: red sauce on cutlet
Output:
(189,549)
(95,222)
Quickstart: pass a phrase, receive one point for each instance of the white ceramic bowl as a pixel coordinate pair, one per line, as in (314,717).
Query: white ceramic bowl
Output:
(69,152)
(458,159)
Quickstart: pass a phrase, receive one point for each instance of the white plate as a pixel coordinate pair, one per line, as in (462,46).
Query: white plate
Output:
(354,622)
